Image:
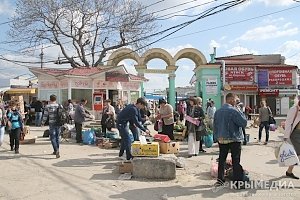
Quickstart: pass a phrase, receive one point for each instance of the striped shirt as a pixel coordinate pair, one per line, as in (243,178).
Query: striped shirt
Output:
(51,112)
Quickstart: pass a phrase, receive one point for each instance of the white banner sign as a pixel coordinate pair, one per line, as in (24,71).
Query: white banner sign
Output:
(211,84)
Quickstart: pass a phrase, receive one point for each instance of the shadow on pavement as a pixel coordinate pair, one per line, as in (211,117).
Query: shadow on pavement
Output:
(170,192)
(108,163)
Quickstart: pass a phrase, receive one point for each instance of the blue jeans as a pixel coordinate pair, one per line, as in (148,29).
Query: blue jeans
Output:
(2,131)
(54,132)
(38,118)
(135,132)
(265,125)
(125,141)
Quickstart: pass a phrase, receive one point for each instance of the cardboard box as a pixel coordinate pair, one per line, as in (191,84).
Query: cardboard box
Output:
(169,148)
(125,167)
(151,149)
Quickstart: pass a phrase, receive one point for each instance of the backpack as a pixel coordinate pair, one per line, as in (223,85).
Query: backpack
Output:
(62,116)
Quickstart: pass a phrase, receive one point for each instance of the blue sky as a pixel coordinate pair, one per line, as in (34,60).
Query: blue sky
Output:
(258,27)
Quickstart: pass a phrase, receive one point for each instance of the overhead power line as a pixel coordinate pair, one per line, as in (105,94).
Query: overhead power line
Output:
(233,23)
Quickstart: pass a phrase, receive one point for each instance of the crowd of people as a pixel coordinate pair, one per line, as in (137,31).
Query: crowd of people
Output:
(227,124)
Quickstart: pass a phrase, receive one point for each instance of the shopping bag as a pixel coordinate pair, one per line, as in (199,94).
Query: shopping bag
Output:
(287,155)
(208,140)
(277,148)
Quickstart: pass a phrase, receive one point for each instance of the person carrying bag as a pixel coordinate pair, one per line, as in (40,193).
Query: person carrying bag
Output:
(292,133)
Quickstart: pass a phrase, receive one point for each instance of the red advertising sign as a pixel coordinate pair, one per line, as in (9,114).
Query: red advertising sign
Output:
(239,74)
(268,92)
(280,76)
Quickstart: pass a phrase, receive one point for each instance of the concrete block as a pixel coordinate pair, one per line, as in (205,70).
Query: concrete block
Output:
(154,168)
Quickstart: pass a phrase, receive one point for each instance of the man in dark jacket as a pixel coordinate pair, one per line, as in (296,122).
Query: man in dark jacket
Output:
(130,114)
(79,117)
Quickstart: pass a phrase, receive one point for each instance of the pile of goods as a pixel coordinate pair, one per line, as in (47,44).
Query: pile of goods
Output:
(179,131)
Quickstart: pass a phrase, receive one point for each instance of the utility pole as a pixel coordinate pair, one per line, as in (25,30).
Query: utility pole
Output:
(42,57)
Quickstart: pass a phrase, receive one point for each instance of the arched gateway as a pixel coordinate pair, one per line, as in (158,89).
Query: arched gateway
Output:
(157,53)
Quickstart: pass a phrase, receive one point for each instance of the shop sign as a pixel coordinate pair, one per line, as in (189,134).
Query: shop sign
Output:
(53,84)
(100,84)
(130,86)
(244,87)
(268,92)
(83,83)
(64,84)
(116,77)
(239,74)
(280,76)
(211,84)
(263,77)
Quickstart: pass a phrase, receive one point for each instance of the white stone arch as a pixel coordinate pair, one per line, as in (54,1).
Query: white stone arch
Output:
(121,54)
(191,53)
(157,53)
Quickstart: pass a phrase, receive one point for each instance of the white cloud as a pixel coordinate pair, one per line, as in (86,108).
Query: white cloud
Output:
(277,2)
(268,32)
(156,81)
(291,51)
(174,50)
(213,44)
(240,50)
(6,8)
(223,38)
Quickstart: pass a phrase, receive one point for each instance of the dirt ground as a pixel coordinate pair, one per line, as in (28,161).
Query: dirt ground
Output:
(88,172)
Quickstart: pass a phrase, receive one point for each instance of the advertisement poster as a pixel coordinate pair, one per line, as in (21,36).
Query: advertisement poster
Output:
(280,77)
(211,84)
(263,77)
(239,74)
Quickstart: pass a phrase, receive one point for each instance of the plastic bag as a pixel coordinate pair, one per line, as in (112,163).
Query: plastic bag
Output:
(277,148)
(272,127)
(287,155)
(88,137)
(213,169)
(208,140)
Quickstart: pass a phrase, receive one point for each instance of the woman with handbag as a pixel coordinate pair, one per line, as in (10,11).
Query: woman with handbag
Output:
(264,115)
(292,133)
(194,112)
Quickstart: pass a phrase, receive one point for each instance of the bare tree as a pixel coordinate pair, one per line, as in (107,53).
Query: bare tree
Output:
(85,30)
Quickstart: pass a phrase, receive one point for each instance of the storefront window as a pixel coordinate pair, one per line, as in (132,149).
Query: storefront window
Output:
(64,95)
(134,95)
(78,94)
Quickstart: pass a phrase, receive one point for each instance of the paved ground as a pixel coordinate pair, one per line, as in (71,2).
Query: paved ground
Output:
(87,172)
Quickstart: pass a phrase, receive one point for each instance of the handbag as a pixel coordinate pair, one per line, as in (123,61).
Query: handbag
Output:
(271,118)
